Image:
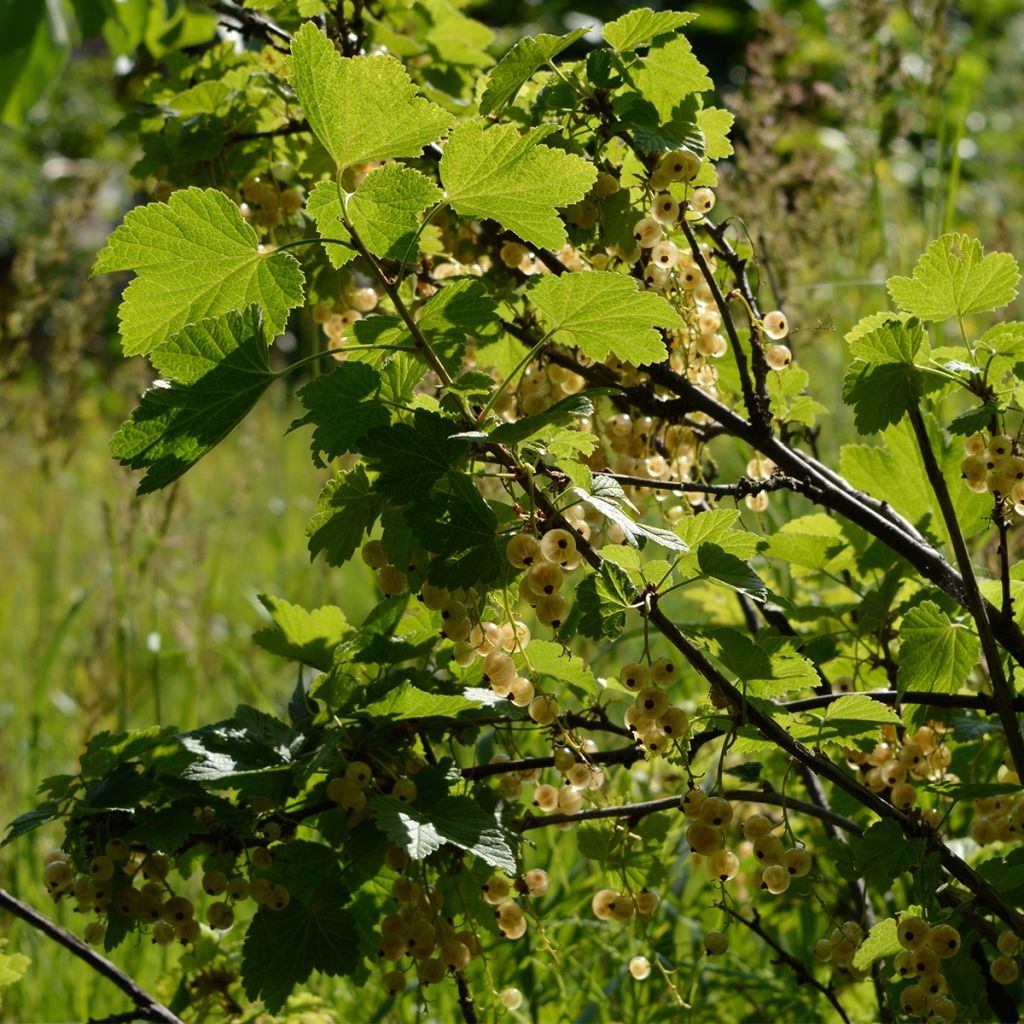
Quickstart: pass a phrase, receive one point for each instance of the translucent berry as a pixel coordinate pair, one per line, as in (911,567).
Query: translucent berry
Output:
(640,967)
(716,943)
(776,326)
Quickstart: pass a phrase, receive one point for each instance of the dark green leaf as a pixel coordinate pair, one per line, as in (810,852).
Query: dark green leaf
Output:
(726,568)
(347,508)
(301,635)
(342,407)
(217,368)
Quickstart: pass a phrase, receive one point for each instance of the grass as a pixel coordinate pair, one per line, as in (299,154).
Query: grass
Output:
(120,613)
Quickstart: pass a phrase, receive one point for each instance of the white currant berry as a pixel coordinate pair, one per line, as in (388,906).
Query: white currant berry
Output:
(640,967)
(776,326)
(976,444)
(647,232)
(511,998)
(663,671)
(778,357)
(522,550)
(664,209)
(558,546)
(716,943)
(702,200)
(775,879)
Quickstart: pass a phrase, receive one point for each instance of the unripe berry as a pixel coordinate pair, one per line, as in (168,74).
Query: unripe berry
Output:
(394,982)
(101,868)
(716,943)
(94,932)
(220,916)
(238,889)
(178,909)
(373,554)
(280,897)
(914,1000)
(392,581)
(163,933)
(944,940)
(214,882)
(1008,943)
(117,850)
(57,876)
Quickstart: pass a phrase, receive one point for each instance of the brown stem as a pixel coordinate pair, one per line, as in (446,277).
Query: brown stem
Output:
(798,967)
(147,1008)
(976,605)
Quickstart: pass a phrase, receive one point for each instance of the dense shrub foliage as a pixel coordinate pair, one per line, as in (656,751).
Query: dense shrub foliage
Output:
(640,657)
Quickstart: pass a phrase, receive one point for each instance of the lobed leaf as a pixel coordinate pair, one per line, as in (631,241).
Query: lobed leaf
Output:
(496,173)
(195,257)
(602,312)
(218,369)
(954,278)
(361,108)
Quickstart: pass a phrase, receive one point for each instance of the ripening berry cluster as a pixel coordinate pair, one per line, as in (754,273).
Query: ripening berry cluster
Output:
(840,948)
(925,947)
(133,882)
(652,719)
(351,790)
(420,933)
(336,319)
(706,836)
(893,765)
(999,818)
(994,466)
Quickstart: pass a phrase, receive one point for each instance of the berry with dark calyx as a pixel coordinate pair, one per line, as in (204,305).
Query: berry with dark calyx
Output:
(716,943)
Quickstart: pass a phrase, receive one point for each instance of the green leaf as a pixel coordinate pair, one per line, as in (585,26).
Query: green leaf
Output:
(458,526)
(883,853)
(509,75)
(726,568)
(301,635)
(217,370)
(347,508)
(859,709)
(361,108)
(283,947)
(459,309)
(36,45)
(611,502)
(880,942)
(881,395)
(873,321)
(458,820)
(551,659)
(386,210)
(412,457)
(30,821)
(602,599)
(767,668)
(514,180)
(1003,339)
(408,701)
(565,411)
(954,278)
(602,312)
(714,124)
(936,654)
(194,257)
(973,419)
(343,407)
(891,342)
(640,26)
(324,206)
(12,967)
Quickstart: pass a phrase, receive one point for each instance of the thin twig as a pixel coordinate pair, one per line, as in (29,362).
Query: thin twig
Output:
(798,967)
(147,1007)
(1001,691)
(466,1005)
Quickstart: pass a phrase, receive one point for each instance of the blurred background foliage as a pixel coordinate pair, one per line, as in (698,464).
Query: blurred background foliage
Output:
(864,129)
